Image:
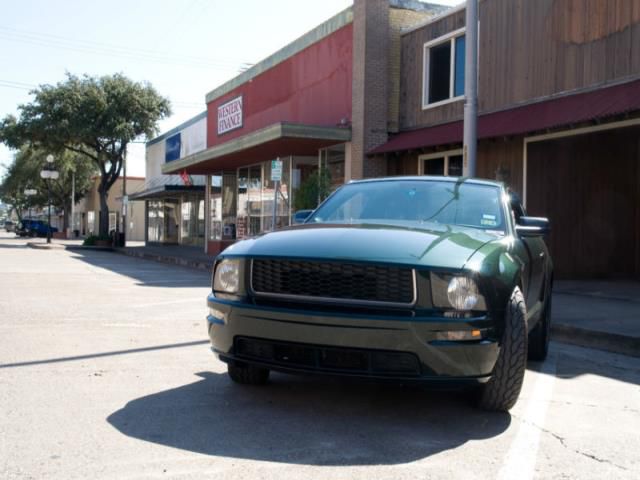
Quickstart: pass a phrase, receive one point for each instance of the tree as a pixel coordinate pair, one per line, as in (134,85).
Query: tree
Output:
(96,117)
(24,172)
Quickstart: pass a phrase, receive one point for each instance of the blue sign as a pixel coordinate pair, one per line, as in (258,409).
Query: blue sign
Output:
(172,148)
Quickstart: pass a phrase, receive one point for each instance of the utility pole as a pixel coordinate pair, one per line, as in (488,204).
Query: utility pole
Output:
(470,147)
(125,200)
(73,201)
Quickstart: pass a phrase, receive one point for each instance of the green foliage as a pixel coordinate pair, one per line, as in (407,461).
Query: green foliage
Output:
(96,117)
(91,240)
(316,186)
(24,173)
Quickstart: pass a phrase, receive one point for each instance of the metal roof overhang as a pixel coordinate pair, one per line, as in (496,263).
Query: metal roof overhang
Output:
(277,140)
(595,105)
(164,191)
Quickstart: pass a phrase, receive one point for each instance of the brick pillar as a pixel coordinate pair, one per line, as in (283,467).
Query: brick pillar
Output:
(371,37)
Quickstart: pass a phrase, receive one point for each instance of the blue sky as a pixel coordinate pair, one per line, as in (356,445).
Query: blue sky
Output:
(184,49)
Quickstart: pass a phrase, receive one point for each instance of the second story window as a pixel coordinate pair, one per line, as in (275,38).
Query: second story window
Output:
(443,69)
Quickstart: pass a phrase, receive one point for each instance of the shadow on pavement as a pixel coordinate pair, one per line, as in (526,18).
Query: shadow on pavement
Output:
(306,420)
(102,354)
(146,272)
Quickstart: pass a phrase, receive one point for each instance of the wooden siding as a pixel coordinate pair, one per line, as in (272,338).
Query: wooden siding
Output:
(411,112)
(501,159)
(498,159)
(530,50)
(588,186)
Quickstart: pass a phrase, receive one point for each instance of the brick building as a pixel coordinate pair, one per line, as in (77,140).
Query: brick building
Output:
(318,106)
(379,90)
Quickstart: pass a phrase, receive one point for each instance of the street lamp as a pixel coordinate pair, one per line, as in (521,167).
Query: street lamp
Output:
(49,174)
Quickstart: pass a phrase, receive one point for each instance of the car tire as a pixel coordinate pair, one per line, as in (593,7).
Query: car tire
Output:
(541,334)
(247,374)
(501,392)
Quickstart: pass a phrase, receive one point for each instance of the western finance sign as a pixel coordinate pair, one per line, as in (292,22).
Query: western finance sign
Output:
(230,115)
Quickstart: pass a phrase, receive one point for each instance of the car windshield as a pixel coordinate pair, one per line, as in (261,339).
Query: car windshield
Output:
(414,202)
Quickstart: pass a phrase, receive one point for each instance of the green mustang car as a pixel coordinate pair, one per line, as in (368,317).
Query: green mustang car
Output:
(430,279)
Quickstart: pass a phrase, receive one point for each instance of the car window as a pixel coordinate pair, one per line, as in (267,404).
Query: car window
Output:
(414,201)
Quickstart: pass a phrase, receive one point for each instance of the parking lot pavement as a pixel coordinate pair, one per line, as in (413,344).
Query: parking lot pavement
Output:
(105,372)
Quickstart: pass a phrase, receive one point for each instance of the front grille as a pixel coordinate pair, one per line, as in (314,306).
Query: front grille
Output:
(327,359)
(346,282)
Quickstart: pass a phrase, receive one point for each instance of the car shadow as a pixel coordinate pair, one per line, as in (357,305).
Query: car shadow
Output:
(307,420)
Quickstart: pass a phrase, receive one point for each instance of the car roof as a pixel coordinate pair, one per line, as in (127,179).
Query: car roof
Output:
(426,178)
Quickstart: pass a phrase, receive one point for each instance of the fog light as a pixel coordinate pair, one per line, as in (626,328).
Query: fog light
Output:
(460,335)
(218,315)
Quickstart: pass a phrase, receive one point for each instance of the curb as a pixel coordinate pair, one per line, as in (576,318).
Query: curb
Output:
(45,246)
(181,262)
(88,247)
(609,342)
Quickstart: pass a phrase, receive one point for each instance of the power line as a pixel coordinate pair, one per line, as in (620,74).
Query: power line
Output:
(29,86)
(112,47)
(117,52)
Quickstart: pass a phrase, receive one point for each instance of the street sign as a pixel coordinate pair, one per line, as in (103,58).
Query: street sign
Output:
(276,170)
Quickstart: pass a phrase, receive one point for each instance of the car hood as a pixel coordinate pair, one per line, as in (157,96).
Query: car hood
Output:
(435,245)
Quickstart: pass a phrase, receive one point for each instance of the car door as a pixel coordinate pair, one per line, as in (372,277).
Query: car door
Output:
(537,257)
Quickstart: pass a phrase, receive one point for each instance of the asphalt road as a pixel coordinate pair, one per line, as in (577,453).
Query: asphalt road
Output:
(105,372)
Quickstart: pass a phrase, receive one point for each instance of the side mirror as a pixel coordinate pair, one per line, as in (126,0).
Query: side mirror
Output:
(533,226)
(301,215)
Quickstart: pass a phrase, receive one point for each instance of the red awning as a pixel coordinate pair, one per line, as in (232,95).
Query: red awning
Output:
(553,113)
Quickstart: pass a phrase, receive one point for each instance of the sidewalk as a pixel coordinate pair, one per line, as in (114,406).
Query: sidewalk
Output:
(192,257)
(595,314)
(598,314)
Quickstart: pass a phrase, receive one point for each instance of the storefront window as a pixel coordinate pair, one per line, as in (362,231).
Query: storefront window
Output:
(192,213)
(229,186)
(332,159)
(281,196)
(215,208)
(243,200)
(305,178)
(91,222)
(162,221)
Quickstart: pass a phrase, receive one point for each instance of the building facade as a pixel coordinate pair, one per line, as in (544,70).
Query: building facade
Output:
(379,90)
(86,220)
(283,134)
(559,118)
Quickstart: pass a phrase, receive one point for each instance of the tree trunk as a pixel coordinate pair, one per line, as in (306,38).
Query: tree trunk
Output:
(103,229)
(65,217)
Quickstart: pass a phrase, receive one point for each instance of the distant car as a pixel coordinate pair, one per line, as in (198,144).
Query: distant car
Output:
(433,279)
(33,228)
(9,226)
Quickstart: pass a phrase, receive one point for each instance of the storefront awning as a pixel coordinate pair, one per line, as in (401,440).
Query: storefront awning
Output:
(278,140)
(163,191)
(553,113)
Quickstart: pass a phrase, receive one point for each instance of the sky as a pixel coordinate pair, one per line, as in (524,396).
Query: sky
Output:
(183,48)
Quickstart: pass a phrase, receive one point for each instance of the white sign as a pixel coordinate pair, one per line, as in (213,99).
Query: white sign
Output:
(276,170)
(230,115)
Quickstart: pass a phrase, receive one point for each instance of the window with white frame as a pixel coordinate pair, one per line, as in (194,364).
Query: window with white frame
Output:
(443,69)
(442,163)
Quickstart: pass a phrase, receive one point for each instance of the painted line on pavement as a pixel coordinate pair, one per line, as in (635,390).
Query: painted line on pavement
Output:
(520,461)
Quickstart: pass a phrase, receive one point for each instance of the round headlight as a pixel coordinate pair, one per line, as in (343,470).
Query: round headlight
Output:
(462,293)
(227,276)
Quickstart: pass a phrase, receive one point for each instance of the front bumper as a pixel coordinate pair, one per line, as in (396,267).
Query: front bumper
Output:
(297,340)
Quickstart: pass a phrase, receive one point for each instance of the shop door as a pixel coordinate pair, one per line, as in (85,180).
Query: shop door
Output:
(589,187)
(171,225)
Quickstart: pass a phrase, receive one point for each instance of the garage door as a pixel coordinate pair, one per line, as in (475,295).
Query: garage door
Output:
(589,186)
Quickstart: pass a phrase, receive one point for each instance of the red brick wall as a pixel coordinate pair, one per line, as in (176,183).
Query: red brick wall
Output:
(312,87)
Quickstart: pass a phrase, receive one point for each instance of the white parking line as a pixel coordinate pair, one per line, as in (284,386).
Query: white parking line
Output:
(520,461)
